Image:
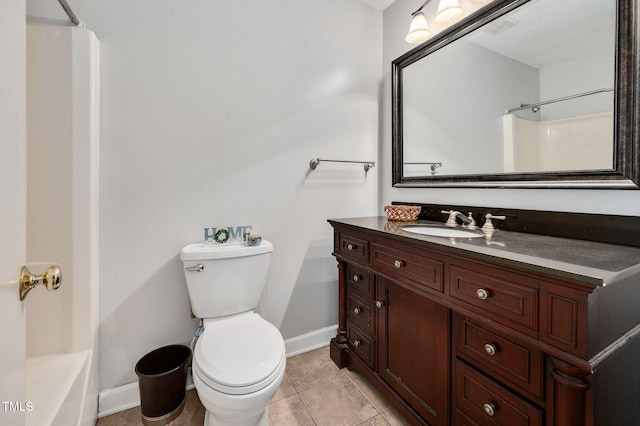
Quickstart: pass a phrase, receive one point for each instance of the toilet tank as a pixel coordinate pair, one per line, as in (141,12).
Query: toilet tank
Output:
(230,279)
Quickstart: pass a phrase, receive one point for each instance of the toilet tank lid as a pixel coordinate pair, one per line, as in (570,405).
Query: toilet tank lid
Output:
(201,251)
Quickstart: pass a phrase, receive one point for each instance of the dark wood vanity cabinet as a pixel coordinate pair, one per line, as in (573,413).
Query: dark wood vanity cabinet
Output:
(385,329)
(412,358)
(451,339)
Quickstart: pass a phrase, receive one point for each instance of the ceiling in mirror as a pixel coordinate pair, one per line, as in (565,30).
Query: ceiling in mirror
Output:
(524,95)
(542,33)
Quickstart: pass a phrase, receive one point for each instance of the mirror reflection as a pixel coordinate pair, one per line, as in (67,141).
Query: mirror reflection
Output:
(529,92)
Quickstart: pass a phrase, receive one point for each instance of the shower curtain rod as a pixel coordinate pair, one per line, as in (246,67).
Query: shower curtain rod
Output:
(566,98)
(69,12)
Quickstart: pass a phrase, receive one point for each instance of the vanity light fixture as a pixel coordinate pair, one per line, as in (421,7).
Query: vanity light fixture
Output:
(449,11)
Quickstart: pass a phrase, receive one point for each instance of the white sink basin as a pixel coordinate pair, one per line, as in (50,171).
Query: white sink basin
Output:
(442,231)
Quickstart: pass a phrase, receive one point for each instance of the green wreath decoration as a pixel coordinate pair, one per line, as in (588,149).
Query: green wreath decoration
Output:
(221,236)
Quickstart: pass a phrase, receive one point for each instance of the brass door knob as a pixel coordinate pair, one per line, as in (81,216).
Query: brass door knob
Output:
(51,279)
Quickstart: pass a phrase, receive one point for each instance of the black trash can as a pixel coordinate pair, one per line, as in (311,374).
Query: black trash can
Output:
(162,377)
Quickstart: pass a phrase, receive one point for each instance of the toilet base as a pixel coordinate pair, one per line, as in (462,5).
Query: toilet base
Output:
(258,420)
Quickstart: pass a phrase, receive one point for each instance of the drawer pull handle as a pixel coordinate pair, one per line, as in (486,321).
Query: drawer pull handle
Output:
(356,310)
(398,264)
(482,293)
(379,304)
(490,349)
(356,278)
(356,343)
(351,247)
(489,409)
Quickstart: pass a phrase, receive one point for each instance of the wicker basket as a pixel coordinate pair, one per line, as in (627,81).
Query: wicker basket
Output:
(402,213)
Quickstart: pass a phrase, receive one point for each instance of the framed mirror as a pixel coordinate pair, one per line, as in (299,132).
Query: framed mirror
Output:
(524,93)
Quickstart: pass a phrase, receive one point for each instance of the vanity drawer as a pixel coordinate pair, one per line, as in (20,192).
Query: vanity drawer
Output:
(486,402)
(496,293)
(513,361)
(359,280)
(408,267)
(353,247)
(361,344)
(361,313)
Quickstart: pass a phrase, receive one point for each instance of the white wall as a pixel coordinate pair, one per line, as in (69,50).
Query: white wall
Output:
(211,112)
(396,20)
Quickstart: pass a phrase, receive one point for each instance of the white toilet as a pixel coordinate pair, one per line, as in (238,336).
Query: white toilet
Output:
(239,359)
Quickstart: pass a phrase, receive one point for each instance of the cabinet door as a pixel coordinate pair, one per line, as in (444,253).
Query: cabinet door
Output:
(413,349)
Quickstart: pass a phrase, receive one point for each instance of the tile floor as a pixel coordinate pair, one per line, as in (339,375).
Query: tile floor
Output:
(314,392)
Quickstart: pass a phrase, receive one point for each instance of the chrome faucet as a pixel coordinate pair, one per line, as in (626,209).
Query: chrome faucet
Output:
(472,223)
(454,214)
(488,225)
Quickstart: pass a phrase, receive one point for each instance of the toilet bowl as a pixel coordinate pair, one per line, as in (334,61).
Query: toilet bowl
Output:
(238,365)
(239,359)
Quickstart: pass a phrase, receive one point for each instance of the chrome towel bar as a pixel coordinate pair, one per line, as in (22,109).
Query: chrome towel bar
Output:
(368,165)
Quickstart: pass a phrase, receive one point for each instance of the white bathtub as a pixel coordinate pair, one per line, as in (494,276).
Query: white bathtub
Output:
(57,386)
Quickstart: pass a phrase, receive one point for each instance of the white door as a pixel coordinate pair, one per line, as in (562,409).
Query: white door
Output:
(12,210)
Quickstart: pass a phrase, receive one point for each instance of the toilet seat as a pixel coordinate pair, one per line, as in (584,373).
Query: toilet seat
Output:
(239,355)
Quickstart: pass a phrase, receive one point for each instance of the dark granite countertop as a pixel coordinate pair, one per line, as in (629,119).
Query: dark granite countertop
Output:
(599,264)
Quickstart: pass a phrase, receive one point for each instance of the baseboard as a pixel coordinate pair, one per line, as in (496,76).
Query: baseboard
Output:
(114,400)
(307,342)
